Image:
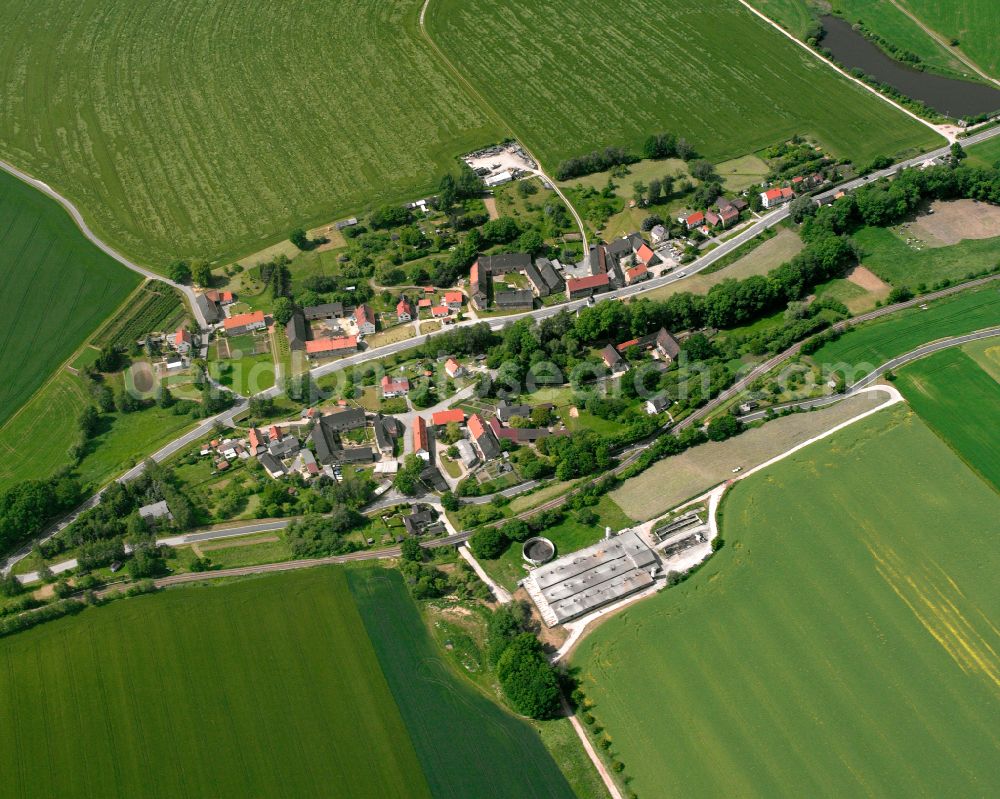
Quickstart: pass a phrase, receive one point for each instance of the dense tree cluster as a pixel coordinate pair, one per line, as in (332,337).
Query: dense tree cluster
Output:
(596,161)
(529,682)
(317,536)
(26,508)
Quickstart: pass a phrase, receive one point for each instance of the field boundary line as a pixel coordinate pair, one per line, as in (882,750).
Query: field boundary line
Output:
(950,137)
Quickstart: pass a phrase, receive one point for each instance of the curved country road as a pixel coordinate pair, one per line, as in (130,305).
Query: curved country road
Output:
(81,223)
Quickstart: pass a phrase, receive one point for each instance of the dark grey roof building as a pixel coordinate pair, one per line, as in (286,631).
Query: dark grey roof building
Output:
(668,346)
(348,419)
(285,448)
(549,275)
(620,248)
(210,309)
(505,411)
(327,310)
(385,427)
(325,442)
(355,455)
(505,262)
(535,278)
(296,331)
(519,299)
(271,465)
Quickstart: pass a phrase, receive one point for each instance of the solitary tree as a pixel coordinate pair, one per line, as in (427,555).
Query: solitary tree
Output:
(180,272)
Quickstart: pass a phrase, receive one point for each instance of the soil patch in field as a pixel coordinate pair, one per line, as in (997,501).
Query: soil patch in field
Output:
(955,220)
(862,276)
(491,207)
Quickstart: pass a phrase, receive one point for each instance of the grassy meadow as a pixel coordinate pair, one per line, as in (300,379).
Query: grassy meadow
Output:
(986,153)
(713,73)
(892,24)
(760,260)
(876,342)
(202,130)
(35,442)
(839,644)
(896,262)
(58,288)
(960,402)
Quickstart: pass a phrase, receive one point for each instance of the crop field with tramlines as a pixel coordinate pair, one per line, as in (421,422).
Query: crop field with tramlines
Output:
(841,643)
(570,77)
(299,684)
(960,401)
(450,722)
(192,128)
(974,24)
(57,288)
(864,347)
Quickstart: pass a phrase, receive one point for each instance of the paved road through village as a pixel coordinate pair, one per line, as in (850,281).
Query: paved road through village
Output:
(226,418)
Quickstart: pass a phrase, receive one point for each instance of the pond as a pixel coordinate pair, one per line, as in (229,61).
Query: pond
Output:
(949,96)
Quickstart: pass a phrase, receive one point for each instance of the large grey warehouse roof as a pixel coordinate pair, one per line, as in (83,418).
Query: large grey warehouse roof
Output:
(590,578)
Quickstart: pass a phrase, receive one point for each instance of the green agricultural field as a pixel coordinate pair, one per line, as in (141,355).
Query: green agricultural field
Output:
(974,23)
(35,442)
(57,288)
(896,262)
(840,644)
(892,24)
(987,354)
(269,687)
(986,153)
(468,746)
(879,341)
(960,402)
(202,130)
(796,16)
(714,73)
